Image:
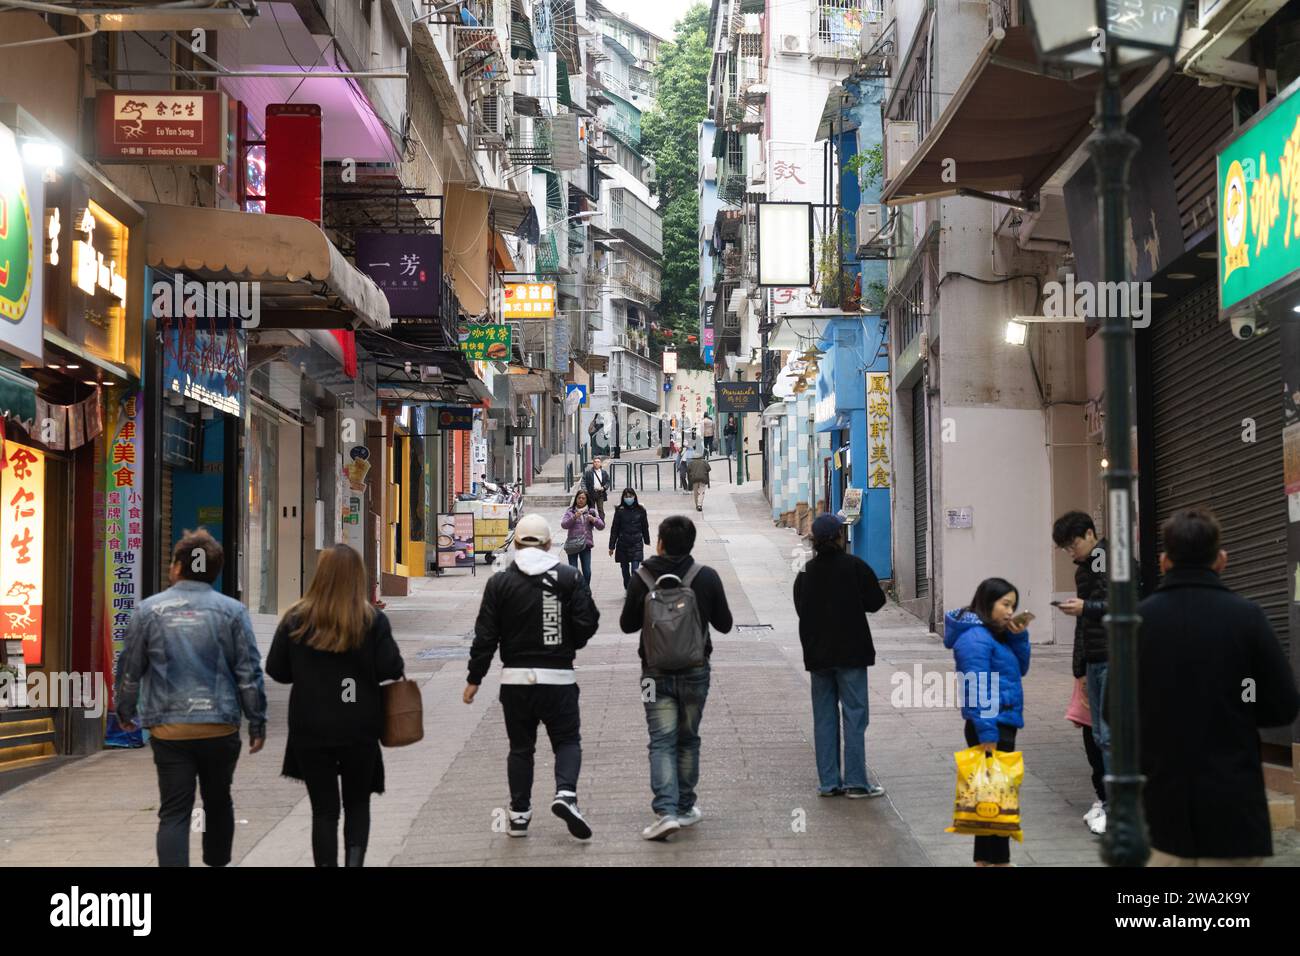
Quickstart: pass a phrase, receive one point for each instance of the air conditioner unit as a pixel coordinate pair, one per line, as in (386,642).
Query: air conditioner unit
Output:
(751,24)
(871,221)
(758,173)
(710,170)
(710,294)
(794,43)
(871,30)
(706,232)
(900,145)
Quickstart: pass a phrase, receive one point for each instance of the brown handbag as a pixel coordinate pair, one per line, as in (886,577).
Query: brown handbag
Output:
(403,713)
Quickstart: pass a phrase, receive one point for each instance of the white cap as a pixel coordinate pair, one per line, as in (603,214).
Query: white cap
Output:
(532,529)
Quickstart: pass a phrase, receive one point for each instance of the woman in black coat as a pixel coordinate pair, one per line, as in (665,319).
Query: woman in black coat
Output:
(334,648)
(628,533)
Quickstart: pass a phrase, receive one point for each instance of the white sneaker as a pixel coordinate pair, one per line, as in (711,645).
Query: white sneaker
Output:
(691,817)
(1098,823)
(1096,808)
(661,829)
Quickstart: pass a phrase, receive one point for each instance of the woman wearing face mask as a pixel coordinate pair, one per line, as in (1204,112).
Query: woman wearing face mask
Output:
(628,534)
(988,642)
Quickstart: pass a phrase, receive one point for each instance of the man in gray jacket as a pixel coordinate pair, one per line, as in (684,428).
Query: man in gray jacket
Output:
(190,671)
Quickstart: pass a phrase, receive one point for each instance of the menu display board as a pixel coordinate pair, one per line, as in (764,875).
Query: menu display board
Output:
(455,541)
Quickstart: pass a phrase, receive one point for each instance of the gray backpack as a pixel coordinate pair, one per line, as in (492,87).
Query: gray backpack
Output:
(671,632)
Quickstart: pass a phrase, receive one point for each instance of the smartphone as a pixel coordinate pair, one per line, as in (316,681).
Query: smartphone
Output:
(1022,619)
(1057,603)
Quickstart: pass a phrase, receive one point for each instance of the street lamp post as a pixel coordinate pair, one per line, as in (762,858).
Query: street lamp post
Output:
(1111,37)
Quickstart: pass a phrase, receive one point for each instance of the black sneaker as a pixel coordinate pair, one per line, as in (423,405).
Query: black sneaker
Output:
(565,806)
(860,793)
(833,792)
(519,821)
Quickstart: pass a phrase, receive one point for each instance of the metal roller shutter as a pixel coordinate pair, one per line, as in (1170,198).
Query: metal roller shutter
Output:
(920,491)
(1205,383)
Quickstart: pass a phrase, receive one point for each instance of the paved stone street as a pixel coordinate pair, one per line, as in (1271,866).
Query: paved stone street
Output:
(758,779)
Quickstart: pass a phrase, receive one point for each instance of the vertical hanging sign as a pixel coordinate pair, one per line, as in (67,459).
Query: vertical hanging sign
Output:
(22,557)
(123,538)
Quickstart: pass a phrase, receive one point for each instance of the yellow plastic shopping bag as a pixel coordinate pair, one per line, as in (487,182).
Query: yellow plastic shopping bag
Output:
(988,793)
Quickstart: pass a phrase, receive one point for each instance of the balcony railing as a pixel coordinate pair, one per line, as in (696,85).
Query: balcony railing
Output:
(837,27)
(634,220)
(641,282)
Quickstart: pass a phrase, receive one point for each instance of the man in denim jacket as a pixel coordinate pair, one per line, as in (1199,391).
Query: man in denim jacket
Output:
(189,672)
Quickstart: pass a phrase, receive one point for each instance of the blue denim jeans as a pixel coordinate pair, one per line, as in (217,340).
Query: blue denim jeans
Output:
(584,557)
(839,695)
(1096,680)
(673,717)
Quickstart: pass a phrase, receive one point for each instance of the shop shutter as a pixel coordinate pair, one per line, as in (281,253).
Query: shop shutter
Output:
(1204,383)
(920,490)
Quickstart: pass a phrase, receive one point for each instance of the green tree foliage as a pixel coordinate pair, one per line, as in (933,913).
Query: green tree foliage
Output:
(669,134)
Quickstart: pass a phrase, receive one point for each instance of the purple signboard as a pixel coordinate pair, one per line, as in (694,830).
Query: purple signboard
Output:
(407,268)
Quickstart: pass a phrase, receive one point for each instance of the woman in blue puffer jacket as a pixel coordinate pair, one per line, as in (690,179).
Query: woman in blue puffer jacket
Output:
(987,643)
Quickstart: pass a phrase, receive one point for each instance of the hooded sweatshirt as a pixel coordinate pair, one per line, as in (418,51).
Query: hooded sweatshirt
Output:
(537,610)
(994,694)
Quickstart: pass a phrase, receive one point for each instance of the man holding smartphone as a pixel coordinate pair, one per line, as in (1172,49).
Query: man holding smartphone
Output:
(1076,534)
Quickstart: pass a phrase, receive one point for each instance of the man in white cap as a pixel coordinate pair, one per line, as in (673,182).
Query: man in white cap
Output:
(540,613)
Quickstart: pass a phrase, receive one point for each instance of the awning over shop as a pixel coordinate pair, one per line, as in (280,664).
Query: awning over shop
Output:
(305,281)
(511,207)
(528,383)
(1008,127)
(17,398)
(774,411)
(799,332)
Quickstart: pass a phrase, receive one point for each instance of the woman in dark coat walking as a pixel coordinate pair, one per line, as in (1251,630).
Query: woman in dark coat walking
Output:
(628,534)
(334,648)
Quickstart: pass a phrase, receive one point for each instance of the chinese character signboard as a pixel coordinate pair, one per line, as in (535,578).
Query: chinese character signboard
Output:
(22,228)
(529,300)
(124,518)
(161,127)
(407,269)
(878,420)
(482,343)
(1259,202)
(22,558)
(739,397)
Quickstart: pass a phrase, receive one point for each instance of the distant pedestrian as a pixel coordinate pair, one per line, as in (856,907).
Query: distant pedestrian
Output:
(190,669)
(833,595)
(1210,674)
(991,648)
(596,482)
(580,521)
(697,472)
(628,533)
(729,436)
(706,432)
(539,613)
(1076,535)
(335,649)
(684,457)
(674,696)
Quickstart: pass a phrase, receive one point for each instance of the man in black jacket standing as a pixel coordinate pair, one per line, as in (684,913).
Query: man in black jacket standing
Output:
(539,612)
(674,702)
(833,595)
(596,480)
(1210,673)
(1076,535)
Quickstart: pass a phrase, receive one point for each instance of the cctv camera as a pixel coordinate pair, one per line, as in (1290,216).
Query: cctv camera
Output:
(1243,326)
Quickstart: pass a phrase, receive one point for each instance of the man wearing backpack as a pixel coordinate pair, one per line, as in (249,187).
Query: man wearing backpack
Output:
(672,600)
(540,613)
